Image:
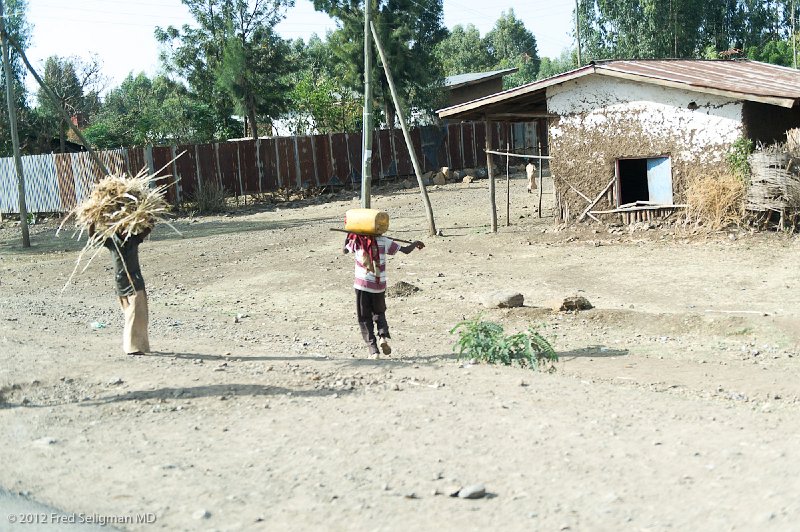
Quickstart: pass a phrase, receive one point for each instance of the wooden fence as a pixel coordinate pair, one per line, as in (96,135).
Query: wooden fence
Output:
(58,182)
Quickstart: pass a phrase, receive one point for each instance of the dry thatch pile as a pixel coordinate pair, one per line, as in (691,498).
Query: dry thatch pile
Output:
(117,208)
(715,201)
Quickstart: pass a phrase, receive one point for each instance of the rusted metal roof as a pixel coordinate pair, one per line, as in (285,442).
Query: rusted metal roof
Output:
(737,79)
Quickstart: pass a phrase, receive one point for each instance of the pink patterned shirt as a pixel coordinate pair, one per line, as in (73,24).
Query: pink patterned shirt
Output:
(366,280)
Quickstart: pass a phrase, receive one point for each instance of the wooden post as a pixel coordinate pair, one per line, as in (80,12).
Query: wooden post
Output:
(541,162)
(492,203)
(508,188)
(366,133)
(12,123)
(401,116)
(578,29)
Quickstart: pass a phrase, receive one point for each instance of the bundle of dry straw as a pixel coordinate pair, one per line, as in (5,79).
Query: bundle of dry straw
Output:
(117,208)
(715,201)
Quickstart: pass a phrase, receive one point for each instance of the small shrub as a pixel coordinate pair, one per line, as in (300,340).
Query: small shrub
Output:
(209,198)
(486,341)
(738,157)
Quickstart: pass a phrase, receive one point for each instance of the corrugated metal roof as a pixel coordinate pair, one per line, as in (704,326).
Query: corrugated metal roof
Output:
(737,79)
(745,77)
(451,82)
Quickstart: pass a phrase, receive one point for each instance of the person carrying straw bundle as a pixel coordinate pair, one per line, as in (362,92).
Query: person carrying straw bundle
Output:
(118,215)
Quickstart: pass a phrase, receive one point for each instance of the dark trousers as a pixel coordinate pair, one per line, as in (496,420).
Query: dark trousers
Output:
(371,308)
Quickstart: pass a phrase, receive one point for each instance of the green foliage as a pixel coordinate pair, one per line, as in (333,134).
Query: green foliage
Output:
(18,28)
(737,157)
(551,67)
(320,101)
(685,29)
(232,60)
(144,111)
(510,44)
(463,51)
(76,84)
(409,31)
(775,52)
(487,342)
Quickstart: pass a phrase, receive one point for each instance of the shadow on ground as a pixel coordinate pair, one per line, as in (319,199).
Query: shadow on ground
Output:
(593,351)
(212,390)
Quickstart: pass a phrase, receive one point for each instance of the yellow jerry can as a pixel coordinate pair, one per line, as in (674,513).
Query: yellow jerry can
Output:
(366,221)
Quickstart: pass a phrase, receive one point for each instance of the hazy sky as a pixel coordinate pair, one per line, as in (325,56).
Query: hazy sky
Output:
(120,32)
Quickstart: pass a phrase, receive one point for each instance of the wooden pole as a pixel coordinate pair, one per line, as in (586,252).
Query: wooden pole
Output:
(508,189)
(401,116)
(794,40)
(54,99)
(541,162)
(492,203)
(578,29)
(366,144)
(12,124)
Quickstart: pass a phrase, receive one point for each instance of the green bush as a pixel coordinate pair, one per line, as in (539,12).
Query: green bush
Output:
(486,341)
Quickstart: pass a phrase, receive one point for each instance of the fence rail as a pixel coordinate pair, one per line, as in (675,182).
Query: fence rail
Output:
(58,182)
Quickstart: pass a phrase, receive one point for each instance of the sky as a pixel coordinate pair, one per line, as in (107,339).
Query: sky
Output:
(120,32)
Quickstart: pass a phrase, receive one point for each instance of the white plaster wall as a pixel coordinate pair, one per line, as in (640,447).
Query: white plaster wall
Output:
(593,102)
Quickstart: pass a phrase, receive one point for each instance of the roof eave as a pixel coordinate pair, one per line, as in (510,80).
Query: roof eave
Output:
(472,105)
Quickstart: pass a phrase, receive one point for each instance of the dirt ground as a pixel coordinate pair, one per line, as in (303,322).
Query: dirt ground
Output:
(675,405)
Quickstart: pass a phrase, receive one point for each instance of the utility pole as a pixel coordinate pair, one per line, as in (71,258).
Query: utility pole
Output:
(409,143)
(578,30)
(794,40)
(12,119)
(366,136)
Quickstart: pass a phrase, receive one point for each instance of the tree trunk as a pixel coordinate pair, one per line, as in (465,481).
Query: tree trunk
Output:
(61,138)
(251,117)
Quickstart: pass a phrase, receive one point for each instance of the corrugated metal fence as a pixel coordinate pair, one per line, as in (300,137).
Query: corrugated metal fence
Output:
(58,182)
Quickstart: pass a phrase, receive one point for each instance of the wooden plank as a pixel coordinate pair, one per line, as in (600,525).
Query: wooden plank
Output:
(599,196)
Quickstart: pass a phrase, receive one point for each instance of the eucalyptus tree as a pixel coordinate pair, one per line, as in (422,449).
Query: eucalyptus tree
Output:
(232,60)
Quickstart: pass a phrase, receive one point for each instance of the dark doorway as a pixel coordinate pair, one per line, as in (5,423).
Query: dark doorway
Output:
(647,180)
(633,181)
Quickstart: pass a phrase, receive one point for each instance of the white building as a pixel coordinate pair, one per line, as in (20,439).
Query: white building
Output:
(637,131)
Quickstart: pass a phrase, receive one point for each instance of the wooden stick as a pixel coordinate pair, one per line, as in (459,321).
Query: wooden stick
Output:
(508,190)
(365,234)
(599,196)
(581,194)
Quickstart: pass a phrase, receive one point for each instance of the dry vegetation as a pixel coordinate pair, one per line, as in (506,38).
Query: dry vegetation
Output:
(715,201)
(117,208)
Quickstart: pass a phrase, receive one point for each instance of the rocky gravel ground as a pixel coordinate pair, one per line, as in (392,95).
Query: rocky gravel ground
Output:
(674,404)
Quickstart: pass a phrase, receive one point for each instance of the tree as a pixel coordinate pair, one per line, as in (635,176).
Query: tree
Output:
(463,51)
(17,27)
(233,60)
(563,63)
(409,31)
(77,85)
(510,44)
(634,29)
(142,112)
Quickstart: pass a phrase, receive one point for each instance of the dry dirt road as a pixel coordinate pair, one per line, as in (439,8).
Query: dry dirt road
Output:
(675,405)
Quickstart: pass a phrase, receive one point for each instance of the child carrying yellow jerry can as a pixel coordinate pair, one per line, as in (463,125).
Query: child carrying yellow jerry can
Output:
(365,228)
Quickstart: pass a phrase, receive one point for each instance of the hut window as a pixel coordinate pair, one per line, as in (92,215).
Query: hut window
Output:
(646,179)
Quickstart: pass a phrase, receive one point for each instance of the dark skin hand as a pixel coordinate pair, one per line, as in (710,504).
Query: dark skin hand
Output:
(412,246)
